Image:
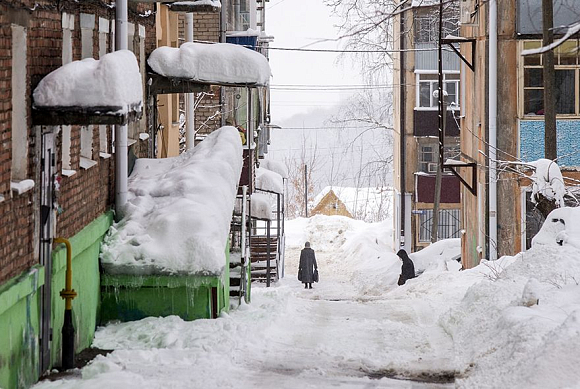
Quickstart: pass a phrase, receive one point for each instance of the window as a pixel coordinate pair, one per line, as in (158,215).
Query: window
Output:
(449,225)
(567,76)
(428,159)
(429,83)
(19,125)
(87,28)
(429,154)
(427,25)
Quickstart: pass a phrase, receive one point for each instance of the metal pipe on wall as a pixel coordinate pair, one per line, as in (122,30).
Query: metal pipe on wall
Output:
(492,95)
(121,145)
(190,97)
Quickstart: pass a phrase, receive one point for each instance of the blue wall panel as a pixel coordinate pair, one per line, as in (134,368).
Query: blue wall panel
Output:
(532,141)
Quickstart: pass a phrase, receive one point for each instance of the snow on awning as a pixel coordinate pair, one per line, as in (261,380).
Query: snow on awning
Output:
(269,181)
(105,91)
(275,166)
(261,206)
(179,210)
(195,6)
(211,64)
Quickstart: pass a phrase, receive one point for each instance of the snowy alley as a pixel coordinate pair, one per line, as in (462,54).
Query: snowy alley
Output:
(357,329)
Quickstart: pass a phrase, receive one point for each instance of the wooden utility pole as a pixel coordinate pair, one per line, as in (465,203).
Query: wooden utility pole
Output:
(440,97)
(550,141)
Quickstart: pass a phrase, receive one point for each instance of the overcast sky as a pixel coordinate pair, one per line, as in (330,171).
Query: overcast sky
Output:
(297,24)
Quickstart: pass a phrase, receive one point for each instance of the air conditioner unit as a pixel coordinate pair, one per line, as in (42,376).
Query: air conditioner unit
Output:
(432,168)
(469,13)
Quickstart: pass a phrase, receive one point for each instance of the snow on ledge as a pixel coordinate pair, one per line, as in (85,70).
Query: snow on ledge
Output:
(21,187)
(113,81)
(275,166)
(178,212)
(261,207)
(269,180)
(218,63)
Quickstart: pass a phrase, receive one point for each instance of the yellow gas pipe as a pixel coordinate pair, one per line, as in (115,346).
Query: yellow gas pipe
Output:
(68,294)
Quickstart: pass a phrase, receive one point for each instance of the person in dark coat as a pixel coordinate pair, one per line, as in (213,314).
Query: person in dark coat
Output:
(308,267)
(407,268)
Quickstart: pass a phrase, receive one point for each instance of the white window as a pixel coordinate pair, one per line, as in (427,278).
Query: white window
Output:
(103,36)
(427,84)
(87,28)
(449,225)
(19,124)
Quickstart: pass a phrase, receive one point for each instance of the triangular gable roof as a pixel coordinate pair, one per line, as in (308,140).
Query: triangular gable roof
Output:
(369,204)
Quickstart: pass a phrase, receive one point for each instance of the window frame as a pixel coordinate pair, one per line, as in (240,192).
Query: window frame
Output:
(522,88)
(446,81)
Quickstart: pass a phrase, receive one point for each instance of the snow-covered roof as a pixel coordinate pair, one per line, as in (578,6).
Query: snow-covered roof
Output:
(112,83)
(269,180)
(218,63)
(261,206)
(369,204)
(275,166)
(196,6)
(179,210)
(248,32)
(424,3)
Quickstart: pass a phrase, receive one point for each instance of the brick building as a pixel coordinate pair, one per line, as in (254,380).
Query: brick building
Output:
(37,37)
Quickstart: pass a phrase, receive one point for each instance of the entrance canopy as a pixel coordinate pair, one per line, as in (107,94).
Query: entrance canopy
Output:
(195,66)
(105,91)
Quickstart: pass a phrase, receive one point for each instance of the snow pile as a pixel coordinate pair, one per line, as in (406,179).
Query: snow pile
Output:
(113,81)
(269,180)
(217,63)
(439,256)
(562,227)
(261,206)
(547,180)
(368,204)
(178,213)
(275,166)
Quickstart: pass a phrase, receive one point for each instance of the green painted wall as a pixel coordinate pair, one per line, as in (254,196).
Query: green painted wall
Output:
(86,282)
(19,328)
(20,307)
(131,297)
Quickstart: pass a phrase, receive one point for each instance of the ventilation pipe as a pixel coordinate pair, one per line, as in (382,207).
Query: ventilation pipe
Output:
(121,146)
(492,129)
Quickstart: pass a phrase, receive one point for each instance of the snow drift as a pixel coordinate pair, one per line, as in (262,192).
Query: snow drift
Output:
(178,212)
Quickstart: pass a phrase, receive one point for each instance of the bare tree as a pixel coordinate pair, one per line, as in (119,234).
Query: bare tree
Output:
(308,156)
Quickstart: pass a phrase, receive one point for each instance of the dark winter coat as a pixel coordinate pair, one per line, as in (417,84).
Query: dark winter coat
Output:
(407,268)
(307,266)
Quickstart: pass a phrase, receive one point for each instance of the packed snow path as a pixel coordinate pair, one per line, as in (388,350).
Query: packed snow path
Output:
(288,337)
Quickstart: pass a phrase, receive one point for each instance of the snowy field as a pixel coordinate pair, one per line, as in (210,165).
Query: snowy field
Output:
(478,328)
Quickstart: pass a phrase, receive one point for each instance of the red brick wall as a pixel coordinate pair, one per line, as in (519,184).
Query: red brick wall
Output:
(85,195)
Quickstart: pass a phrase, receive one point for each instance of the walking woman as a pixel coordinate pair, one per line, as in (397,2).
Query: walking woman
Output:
(308,270)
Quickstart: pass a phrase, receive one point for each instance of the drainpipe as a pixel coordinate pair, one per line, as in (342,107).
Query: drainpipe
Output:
(492,129)
(68,294)
(190,97)
(402,241)
(121,146)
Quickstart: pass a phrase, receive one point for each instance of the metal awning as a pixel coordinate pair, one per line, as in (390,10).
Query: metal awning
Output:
(83,116)
(159,85)
(188,6)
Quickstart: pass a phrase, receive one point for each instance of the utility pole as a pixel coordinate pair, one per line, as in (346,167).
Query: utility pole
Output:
(550,141)
(305,191)
(441,108)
